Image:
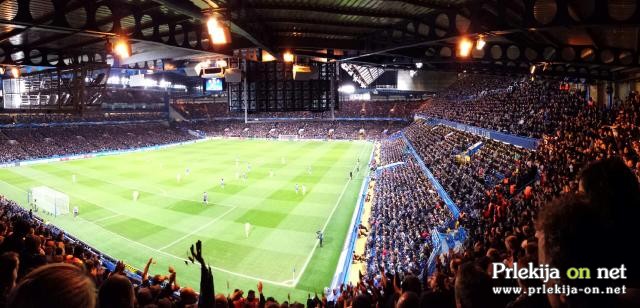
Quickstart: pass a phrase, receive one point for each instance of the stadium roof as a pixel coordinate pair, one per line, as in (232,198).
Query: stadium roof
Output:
(587,38)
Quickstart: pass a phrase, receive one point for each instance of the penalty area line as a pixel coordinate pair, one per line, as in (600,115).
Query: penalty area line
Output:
(183,259)
(285,284)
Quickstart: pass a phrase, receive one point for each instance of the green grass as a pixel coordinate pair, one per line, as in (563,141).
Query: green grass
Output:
(169,215)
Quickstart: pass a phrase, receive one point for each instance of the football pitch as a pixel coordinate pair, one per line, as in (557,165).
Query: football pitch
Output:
(170,215)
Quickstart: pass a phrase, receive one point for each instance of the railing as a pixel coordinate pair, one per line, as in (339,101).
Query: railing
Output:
(436,184)
(521,141)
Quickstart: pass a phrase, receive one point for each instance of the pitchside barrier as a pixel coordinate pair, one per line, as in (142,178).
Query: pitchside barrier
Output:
(346,256)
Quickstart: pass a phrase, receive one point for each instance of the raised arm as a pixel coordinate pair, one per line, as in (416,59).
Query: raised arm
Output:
(207,290)
(263,301)
(145,272)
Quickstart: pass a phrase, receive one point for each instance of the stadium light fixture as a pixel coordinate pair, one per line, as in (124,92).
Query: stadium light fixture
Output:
(15,72)
(347,89)
(464,47)
(122,48)
(267,57)
(480,43)
(288,57)
(219,34)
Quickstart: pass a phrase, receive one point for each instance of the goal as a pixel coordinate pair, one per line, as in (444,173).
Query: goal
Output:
(49,200)
(288,137)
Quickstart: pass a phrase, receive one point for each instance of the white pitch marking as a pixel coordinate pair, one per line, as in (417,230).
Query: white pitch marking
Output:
(197,230)
(105,218)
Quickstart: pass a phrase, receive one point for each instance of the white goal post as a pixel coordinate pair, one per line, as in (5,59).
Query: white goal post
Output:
(288,137)
(49,200)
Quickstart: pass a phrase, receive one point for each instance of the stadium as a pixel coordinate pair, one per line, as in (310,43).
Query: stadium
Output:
(379,153)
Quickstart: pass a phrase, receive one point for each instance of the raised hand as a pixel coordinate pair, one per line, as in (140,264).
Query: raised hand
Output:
(207,288)
(197,252)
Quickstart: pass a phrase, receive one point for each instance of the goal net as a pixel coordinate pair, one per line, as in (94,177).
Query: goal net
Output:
(287,137)
(49,200)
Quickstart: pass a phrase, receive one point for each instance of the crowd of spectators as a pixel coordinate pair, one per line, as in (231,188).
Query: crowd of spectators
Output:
(355,130)
(583,202)
(93,116)
(395,109)
(464,175)
(203,110)
(31,143)
(524,107)
(405,210)
(347,109)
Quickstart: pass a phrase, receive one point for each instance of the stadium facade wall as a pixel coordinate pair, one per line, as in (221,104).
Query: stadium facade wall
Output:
(524,142)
